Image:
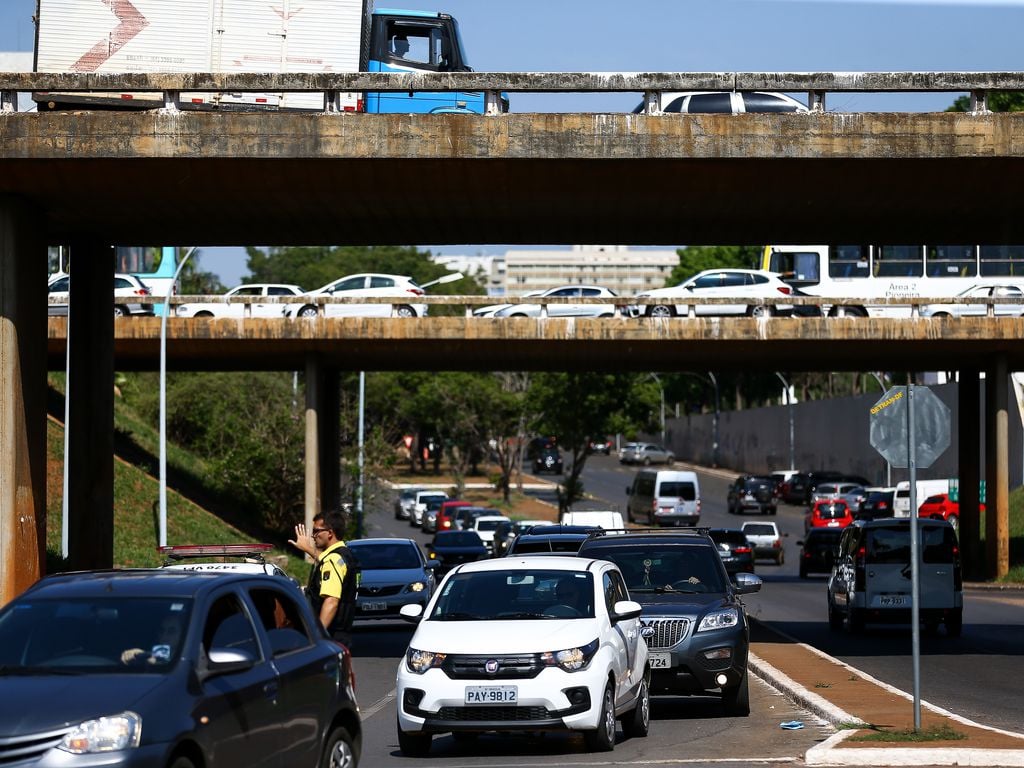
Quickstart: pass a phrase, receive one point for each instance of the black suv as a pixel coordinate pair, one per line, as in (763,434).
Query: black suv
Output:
(693,621)
(548,539)
(754,492)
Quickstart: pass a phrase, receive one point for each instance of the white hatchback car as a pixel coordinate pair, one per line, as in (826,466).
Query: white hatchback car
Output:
(1008,292)
(402,288)
(126,288)
(486,525)
(565,310)
(543,643)
(744,285)
(251,290)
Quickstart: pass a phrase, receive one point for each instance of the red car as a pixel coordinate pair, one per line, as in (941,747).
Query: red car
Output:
(828,513)
(939,507)
(447,512)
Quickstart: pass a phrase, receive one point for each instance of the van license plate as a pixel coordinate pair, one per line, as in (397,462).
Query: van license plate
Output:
(492,694)
(659,660)
(374,606)
(894,601)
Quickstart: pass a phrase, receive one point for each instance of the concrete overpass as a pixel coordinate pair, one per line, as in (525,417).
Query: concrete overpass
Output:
(92,179)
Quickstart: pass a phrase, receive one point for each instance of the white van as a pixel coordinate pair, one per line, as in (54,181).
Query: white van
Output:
(610,520)
(664,497)
(925,488)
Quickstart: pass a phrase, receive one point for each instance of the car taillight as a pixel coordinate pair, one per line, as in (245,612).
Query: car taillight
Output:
(742,550)
(786,290)
(777,544)
(958,576)
(858,564)
(415,291)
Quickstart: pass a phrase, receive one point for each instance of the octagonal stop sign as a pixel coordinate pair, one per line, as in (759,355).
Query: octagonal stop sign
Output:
(890,430)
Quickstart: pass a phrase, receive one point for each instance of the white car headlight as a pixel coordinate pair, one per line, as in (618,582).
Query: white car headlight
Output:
(571,659)
(420,661)
(417,586)
(724,619)
(105,734)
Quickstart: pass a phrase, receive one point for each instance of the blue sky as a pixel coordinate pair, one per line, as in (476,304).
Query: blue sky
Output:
(696,35)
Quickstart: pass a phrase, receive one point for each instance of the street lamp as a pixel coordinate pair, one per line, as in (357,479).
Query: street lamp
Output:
(163,397)
(789,400)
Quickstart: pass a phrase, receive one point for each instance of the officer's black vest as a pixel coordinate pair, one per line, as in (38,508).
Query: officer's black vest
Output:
(346,609)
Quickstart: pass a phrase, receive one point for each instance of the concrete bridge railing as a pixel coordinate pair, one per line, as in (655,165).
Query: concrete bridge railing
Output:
(652,84)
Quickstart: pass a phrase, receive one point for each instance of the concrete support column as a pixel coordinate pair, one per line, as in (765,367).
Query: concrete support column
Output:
(91,414)
(22,399)
(330,439)
(969,462)
(997,469)
(313,394)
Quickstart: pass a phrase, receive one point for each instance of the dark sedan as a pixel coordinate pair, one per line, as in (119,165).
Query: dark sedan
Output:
(451,548)
(734,549)
(818,551)
(170,667)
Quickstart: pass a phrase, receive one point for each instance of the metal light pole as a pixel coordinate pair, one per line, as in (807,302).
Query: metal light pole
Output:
(714,423)
(359,487)
(789,401)
(655,377)
(163,397)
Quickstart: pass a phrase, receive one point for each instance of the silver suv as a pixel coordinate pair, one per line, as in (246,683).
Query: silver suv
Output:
(646,454)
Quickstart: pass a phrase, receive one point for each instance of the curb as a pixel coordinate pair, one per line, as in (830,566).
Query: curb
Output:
(830,752)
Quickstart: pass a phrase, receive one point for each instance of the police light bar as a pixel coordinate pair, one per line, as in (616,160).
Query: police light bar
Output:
(182,551)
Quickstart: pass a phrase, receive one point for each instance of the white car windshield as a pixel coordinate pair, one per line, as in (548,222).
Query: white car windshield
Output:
(515,594)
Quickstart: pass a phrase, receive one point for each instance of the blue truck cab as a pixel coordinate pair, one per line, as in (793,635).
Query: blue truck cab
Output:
(419,41)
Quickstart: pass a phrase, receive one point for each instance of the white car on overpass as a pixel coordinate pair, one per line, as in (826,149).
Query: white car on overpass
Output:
(257,308)
(565,310)
(746,286)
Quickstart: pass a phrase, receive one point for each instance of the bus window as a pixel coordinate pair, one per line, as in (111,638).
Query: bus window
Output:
(848,261)
(899,261)
(1002,260)
(798,268)
(951,261)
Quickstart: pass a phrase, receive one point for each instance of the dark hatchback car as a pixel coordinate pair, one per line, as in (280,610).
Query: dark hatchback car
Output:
(753,492)
(549,539)
(876,504)
(818,553)
(693,620)
(734,548)
(451,548)
(167,667)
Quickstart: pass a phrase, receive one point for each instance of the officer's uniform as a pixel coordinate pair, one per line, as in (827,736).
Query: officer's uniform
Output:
(336,575)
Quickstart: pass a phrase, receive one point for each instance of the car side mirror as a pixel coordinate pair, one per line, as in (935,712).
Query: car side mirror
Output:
(747,583)
(625,609)
(224,661)
(411,613)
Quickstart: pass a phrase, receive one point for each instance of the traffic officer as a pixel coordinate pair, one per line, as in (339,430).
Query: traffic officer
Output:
(334,578)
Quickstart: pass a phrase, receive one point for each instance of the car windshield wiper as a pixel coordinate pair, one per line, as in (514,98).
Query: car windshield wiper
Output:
(526,615)
(670,588)
(458,616)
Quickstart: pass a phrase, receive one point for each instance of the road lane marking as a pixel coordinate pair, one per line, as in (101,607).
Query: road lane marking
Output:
(377,706)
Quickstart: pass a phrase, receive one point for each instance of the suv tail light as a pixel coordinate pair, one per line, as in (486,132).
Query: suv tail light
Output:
(958,576)
(742,550)
(859,561)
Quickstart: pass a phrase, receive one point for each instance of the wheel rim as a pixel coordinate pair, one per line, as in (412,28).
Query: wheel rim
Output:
(660,311)
(405,312)
(342,756)
(118,312)
(307,312)
(645,707)
(760,311)
(609,717)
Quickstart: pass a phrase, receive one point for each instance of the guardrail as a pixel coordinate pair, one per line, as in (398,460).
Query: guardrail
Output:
(619,304)
(652,84)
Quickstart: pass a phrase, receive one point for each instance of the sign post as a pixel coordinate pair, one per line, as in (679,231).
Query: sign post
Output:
(910,427)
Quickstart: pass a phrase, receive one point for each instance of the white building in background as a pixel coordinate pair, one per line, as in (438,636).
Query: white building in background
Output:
(613,266)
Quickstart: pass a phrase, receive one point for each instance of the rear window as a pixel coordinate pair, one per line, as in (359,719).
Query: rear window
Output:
(832,511)
(891,546)
(682,490)
(729,537)
(759,529)
(549,545)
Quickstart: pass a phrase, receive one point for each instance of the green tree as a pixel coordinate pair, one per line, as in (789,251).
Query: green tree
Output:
(697,258)
(998,101)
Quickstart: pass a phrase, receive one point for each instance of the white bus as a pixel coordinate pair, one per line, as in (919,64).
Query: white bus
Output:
(892,271)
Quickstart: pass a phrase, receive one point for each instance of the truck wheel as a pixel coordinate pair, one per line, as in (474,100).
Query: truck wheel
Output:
(637,723)
(602,739)
(736,699)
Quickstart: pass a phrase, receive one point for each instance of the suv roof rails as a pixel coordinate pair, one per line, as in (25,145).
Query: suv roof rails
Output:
(702,529)
(253,552)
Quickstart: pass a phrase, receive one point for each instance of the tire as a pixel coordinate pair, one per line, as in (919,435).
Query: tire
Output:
(182,762)
(781,559)
(670,461)
(602,739)
(307,311)
(955,623)
(941,314)
(203,314)
(835,618)
(340,750)
(414,744)
(120,311)
(637,723)
(759,310)
(647,461)
(736,700)
(661,310)
(854,621)
(803,572)
(405,311)
(518,314)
